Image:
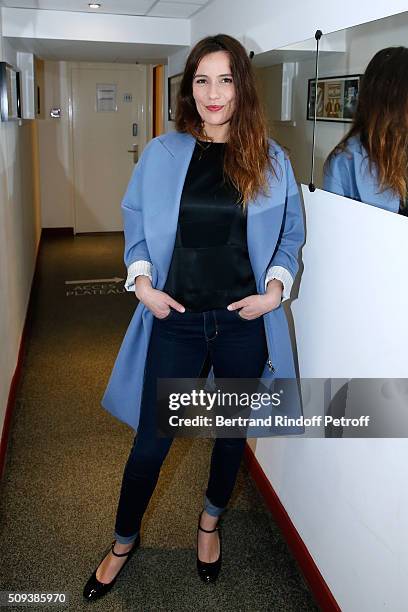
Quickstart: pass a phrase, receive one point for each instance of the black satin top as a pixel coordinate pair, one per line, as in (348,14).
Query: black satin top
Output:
(210,266)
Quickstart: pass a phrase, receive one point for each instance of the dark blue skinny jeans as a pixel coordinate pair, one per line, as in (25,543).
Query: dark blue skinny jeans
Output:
(179,346)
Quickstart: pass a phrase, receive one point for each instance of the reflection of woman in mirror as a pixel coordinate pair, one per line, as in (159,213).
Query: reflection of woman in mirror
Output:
(370,163)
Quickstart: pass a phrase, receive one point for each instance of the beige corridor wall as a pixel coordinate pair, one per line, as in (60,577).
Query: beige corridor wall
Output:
(55,149)
(20,229)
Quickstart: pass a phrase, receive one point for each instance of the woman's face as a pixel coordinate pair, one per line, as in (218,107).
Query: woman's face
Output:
(214,90)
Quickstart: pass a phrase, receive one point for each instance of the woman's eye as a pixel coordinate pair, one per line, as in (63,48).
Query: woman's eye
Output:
(223,80)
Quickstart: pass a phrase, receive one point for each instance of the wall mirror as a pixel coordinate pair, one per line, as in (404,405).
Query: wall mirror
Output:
(286,81)
(10,101)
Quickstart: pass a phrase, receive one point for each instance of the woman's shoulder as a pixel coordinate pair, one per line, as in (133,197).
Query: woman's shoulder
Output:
(276,149)
(354,143)
(169,140)
(342,168)
(346,158)
(173,139)
(174,136)
(351,148)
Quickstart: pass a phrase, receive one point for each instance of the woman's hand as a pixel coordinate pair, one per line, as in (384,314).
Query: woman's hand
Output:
(158,302)
(254,306)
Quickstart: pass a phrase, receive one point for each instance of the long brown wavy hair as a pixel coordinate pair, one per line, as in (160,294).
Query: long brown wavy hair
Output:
(381,119)
(246,158)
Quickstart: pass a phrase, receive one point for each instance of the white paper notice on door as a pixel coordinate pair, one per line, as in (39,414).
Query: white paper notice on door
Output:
(106,97)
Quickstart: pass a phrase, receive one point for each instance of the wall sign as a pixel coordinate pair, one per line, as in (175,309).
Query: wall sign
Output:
(106,97)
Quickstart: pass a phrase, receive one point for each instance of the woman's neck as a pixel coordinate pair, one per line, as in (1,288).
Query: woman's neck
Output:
(218,133)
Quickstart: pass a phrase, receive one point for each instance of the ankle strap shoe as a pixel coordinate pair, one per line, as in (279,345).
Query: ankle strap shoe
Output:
(94,589)
(208,572)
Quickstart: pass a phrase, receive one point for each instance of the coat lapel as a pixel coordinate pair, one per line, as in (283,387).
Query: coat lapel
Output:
(263,225)
(161,214)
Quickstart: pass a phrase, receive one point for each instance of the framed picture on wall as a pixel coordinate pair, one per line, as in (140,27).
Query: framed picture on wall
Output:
(10,101)
(174,84)
(336,98)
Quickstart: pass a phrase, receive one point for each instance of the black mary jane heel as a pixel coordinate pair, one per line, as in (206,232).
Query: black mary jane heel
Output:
(208,572)
(94,589)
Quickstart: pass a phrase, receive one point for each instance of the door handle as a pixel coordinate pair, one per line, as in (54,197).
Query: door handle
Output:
(135,152)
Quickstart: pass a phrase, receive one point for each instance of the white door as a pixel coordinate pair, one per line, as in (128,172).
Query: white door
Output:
(109,121)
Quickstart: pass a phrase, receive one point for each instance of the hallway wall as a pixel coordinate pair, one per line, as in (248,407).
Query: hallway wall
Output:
(55,149)
(20,229)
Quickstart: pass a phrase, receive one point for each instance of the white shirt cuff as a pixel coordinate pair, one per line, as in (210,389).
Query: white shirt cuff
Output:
(137,268)
(284,276)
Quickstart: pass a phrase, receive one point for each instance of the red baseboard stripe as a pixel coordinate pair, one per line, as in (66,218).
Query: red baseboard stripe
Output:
(10,405)
(310,571)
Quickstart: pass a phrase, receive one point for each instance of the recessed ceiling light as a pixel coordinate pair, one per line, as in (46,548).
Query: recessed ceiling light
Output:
(94,5)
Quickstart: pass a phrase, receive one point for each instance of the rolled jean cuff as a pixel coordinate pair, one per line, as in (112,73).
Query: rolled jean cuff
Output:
(125,539)
(211,509)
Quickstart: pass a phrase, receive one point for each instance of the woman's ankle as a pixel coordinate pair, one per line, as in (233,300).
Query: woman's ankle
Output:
(120,547)
(208,521)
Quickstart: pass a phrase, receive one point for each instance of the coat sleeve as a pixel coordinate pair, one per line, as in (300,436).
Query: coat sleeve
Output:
(284,263)
(136,254)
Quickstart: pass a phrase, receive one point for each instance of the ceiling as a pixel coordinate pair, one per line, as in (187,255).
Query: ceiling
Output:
(86,51)
(182,9)
(74,50)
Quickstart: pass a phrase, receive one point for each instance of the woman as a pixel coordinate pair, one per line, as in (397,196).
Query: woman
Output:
(370,164)
(203,290)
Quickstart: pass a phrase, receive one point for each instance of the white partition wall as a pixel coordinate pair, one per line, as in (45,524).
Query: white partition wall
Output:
(348,497)
(350,314)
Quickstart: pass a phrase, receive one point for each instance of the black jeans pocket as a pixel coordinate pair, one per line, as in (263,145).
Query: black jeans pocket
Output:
(241,318)
(169,315)
(246,320)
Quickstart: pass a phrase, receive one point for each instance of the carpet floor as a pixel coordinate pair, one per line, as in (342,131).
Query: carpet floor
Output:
(65,462)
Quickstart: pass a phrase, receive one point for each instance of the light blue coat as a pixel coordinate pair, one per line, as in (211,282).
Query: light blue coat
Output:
(150,208)
(349,175)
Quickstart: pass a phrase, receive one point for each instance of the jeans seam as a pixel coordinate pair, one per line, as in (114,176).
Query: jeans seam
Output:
(205,328)
(205,358)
